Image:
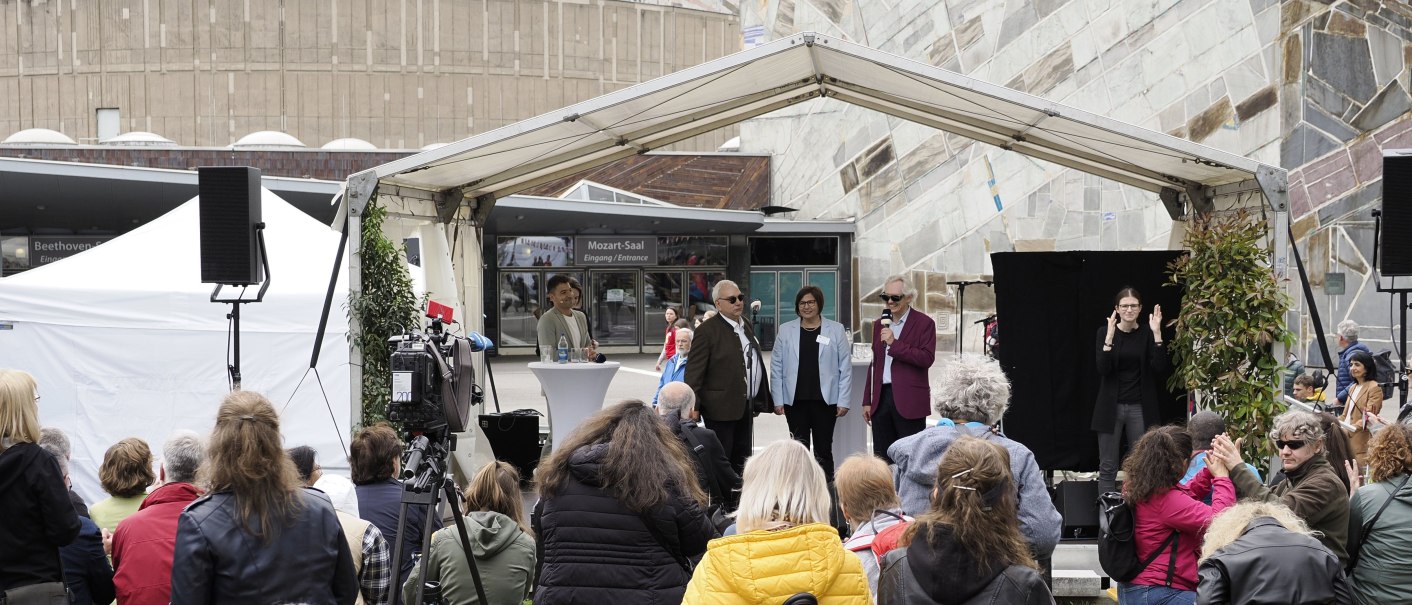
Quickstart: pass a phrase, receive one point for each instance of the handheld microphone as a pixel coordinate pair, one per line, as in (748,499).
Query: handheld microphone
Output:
(887,318)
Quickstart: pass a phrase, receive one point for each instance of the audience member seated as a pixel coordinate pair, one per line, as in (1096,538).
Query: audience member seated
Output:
(620,513)
(34,504)
(371,559)
(258,536)
(675,371)
(869,503)
(1203,427)
(125,474)
(1169,518)
(376,458)
(1379,519)
(972,395)
(87,573)
(500,540)
(966,548)
(1310,485)
(144,542)
(1261,552)
(56,442)
(785,545)
(677,406)
(1307,389)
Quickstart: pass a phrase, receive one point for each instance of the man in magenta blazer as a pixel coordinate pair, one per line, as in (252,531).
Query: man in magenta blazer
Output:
(898,396)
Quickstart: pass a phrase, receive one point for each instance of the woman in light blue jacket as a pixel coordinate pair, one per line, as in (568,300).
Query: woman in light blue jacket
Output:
(810,371)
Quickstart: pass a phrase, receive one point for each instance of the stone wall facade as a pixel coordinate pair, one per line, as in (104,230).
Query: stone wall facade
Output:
(400,74)
(1317,87)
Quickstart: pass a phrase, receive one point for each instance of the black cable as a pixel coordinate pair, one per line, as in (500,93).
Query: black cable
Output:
(327,404)
(230,333)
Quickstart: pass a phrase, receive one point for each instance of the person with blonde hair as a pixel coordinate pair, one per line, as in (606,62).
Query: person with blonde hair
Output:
(125,474)
(869,503)
(1379,545)
(1261,552)
(620,515)
(259,535)
(34,502)
(785,544)
(500,540)
(967,548)
(1311,487)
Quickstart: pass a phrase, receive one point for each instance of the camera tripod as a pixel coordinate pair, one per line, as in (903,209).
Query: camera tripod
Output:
(424,482)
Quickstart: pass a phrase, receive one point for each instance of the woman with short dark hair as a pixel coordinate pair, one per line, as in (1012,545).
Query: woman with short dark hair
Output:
(1364,403)
(620,514)
(259,535)
(810,372)
(1131,360)
(376,458)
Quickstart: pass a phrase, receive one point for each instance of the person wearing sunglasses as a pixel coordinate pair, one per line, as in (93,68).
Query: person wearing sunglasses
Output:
(898,395)
(1130,363)
(1310,486)
(726,369)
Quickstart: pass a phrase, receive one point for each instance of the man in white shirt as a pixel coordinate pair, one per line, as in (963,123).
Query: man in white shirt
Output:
(727,371)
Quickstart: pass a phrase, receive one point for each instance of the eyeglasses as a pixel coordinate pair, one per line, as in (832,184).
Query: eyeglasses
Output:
(733,299)
(892,297)
(808,302)
(36,398)
(1294,444)
(1129,306)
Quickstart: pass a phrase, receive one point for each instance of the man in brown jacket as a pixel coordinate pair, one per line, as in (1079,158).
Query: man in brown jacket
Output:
(727,371)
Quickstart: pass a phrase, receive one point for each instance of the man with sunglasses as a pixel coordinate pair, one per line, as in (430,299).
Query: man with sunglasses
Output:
(727,371)
(898,396)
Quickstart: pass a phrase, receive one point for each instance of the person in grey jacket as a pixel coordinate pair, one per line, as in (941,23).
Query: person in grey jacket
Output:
(1383,573)
(810,371)
(1261,552)
(972,395)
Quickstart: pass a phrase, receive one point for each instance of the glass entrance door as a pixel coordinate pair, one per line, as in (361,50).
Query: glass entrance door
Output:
(614,307)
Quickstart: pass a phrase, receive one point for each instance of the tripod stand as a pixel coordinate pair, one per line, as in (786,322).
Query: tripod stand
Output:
(424,482)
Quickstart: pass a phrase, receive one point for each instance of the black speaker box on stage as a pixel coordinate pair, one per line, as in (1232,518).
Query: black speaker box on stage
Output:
(1395,247)
(1077,502)
(230,210)
(514,438)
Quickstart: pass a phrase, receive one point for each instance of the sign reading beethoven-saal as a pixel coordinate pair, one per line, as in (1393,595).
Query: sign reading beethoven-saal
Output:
(45,249)
(596,250)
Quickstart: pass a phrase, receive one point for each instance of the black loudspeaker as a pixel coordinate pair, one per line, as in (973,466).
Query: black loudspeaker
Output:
(514,438)
(230,209)
(1077,502)
(1395,247)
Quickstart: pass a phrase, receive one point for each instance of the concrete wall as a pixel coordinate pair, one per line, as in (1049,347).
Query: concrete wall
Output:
(398,73)
(1311,86)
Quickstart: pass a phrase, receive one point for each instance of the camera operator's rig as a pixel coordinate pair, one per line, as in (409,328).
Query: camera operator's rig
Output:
(433,389)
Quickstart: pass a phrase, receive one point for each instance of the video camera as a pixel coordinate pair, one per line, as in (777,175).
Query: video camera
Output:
(433,376)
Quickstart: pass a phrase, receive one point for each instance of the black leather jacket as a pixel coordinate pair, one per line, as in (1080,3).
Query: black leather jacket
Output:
(1270,564)
(216,561)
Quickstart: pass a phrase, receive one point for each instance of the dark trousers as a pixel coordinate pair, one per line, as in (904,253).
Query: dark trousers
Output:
(1127,421)
(814,419)
(889,425)
(735,436)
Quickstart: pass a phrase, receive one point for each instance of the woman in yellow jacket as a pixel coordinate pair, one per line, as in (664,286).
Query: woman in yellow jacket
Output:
(785,545)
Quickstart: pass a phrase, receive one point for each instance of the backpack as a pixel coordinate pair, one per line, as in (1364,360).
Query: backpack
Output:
(1385,373)
(1117,547)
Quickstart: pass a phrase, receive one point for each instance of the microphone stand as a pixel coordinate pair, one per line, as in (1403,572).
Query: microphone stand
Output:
(961,304)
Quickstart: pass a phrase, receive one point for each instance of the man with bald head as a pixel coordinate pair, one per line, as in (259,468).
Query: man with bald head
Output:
(677,406)
(726,370)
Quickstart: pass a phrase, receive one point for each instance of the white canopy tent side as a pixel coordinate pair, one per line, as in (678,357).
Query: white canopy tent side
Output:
(460,182)
(124,341)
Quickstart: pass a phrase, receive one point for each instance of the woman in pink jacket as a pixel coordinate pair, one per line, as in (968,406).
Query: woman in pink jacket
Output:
(1168,516)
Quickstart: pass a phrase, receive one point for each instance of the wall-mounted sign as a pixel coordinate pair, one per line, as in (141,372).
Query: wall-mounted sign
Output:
(591,250)
(1334,284)
(45,249)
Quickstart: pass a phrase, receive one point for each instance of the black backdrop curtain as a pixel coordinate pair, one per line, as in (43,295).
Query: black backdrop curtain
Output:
(1050,306)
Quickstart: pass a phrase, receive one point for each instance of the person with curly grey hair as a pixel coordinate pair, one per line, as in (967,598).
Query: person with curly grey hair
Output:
(972,395)
(1310,486)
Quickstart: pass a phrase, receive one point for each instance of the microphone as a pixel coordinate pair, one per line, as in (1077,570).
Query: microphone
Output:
(887,318)
(754,306)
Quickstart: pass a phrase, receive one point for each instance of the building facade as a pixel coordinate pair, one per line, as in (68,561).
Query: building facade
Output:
(1317,87)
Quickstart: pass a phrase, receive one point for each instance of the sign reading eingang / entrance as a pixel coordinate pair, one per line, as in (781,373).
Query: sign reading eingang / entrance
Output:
(591,250)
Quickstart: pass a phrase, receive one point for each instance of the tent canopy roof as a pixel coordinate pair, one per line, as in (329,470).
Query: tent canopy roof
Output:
(792,70)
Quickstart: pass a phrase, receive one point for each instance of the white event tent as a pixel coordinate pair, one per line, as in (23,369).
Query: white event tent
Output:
(124,341)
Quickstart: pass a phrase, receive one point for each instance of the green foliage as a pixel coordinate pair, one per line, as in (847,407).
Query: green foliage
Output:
(385,308)
(1233,311)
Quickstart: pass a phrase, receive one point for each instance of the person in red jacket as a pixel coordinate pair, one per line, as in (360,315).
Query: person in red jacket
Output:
(1168,516)
(143,543)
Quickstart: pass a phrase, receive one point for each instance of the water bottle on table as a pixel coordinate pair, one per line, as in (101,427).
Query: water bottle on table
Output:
(563,349)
